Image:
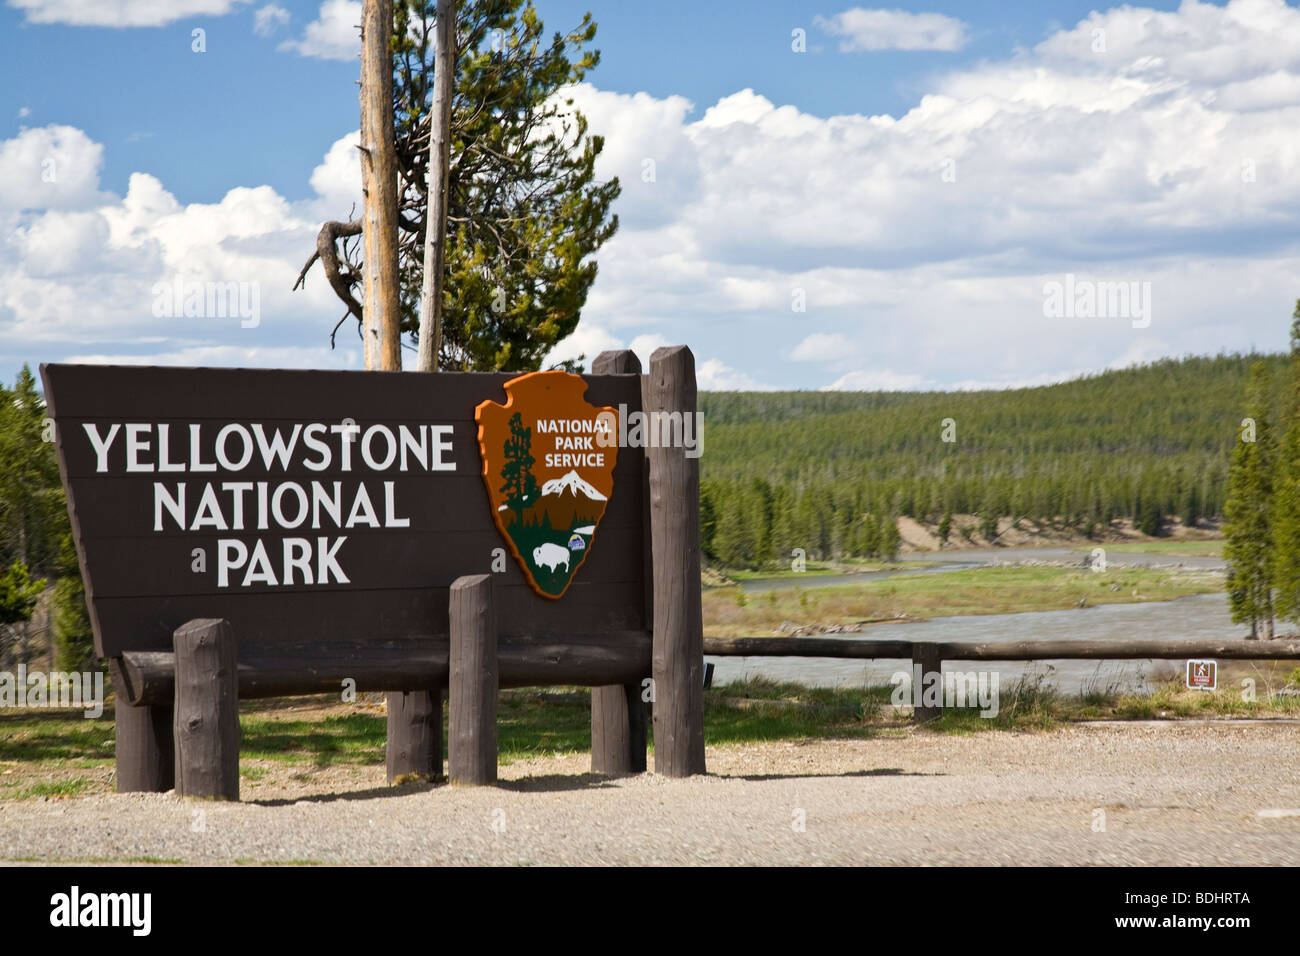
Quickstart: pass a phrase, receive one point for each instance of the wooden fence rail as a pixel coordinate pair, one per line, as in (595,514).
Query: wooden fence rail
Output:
(1004,651)
(930,655)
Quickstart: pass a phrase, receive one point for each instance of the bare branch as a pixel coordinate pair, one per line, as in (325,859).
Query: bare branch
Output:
(327,252)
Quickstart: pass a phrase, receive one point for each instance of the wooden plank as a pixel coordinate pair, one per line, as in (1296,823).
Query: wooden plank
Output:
(143,744)
(1173,649)
(618,720)
(805,647)
(268,618)
(265,395)
(678,657)
(207,711)
(413,745)
(410,664)
(928,659)
(472,686)
(618,729)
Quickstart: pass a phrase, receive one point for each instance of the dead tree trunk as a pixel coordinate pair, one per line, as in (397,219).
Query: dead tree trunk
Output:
(382,315)
(435,232)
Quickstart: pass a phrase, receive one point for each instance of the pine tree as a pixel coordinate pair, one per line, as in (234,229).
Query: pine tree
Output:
(1191,505)
(734,541)
(761,521)
(74,641)
(526,211)
(1248,513)
(1286,496)
(708,520)
(988,519)
(889,538)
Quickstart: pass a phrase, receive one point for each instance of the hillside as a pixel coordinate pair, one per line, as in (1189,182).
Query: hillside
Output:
(828,471)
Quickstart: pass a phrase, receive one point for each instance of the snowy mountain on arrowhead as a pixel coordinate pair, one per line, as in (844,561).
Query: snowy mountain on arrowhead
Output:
(566,503)
(573,484)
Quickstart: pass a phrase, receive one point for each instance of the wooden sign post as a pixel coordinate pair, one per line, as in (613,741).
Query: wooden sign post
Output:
(323,517)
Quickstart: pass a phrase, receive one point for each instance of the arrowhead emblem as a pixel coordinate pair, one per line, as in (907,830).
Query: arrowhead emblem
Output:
(548,467)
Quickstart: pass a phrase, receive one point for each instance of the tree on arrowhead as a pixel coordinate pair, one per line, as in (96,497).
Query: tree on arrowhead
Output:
(520,486)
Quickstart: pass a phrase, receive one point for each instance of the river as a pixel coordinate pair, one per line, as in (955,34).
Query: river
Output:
(1200,616)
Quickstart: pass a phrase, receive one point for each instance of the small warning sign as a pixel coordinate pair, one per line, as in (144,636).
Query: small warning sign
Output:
(1202,675)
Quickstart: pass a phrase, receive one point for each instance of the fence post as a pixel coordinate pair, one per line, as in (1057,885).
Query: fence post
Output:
(927,655)
(618,718)
(618,729)
(207,710)
(414,740)
(142,741)
(678,655)
(472,683)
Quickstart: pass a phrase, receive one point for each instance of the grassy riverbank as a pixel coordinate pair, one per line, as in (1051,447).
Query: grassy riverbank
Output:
(729,612)
(1204,548)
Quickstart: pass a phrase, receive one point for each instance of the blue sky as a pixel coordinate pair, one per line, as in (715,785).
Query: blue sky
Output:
(262,115)
(885,209)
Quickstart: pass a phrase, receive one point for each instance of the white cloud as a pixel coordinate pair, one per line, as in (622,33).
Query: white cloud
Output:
(121,13)
(335,34)
(24,112)
(713,375)
(823,347)
(871,30)
(49,167)
(268,19)
(645,345)
(589,340)
(1278,89)
(228,356)
(922,241)
(880,380)
(79,266)
(337,180)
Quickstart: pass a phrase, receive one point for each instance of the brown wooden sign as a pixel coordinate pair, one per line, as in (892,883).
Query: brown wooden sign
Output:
(335,506)
(548,466)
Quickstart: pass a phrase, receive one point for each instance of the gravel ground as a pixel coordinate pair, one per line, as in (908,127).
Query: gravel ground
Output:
(1185,792)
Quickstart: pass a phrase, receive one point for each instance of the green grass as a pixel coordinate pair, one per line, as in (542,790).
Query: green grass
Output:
(1032,704)
(543,723)
(759,709)
(63,735)
(821,569)
(55,788)
(1173,700)
(1029,703)
(1206,548)
(333,739)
